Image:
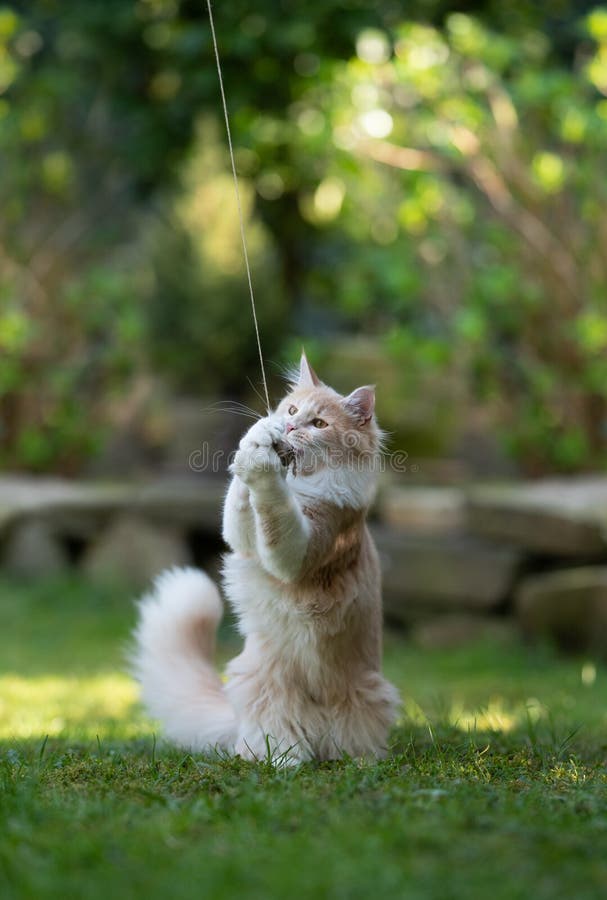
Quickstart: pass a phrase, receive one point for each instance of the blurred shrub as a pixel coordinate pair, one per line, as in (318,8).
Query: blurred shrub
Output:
(98,99)
(199,326)
(65,360)
(83,143)
(437,188)
(469,181)
(70,324)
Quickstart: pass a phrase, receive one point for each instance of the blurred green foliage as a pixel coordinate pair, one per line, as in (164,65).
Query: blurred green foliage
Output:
(200,329)
(428,179)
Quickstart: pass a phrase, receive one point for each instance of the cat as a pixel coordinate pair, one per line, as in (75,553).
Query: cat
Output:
(303,578)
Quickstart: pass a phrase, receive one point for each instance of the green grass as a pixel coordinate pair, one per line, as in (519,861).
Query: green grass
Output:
(496,786)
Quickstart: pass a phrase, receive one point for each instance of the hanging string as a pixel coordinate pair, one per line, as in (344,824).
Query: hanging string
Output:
(238,203)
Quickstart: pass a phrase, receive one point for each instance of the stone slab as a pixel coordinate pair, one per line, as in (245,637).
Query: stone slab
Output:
(133,551)
(567,605)
(553,517)
(33,550)
(423,510)
(427,574)
(82,508)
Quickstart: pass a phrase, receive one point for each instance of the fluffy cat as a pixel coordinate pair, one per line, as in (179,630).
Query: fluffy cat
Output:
(303,578)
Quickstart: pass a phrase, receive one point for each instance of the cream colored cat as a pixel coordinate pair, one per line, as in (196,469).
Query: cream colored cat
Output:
(303,578)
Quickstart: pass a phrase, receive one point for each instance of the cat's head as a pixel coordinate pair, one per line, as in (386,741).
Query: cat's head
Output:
(324,427)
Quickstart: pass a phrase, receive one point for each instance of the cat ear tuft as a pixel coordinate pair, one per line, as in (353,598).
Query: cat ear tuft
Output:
(360,404)
(307,376)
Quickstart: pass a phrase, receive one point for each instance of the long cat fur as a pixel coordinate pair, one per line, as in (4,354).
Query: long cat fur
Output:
(303,578)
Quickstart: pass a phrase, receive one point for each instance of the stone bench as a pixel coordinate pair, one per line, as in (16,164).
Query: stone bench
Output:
(477,553)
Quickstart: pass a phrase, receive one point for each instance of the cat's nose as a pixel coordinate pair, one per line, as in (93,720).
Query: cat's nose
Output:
(290,427)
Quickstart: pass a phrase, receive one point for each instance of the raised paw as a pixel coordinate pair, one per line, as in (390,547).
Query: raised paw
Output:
(263,433)
(256,457)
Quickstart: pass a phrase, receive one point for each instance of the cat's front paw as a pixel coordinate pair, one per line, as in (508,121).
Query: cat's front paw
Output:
(256,458)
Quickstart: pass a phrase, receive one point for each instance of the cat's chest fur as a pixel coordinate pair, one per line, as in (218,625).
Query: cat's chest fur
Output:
(340,579)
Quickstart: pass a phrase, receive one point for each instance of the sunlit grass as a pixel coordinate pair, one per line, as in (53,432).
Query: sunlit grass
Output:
(497,715)
(505,687)
(33,707)
(63,672)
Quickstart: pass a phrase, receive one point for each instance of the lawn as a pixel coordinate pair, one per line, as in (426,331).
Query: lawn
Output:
(496,785)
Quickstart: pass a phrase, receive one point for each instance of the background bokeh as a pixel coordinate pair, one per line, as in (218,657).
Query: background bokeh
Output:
(426,208)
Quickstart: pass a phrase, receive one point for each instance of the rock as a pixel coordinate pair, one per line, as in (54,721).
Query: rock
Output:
(458,629)
(133,551)
(569,606)
(428,574)
(196,502)
(423,510)
(33,550)
(81,509)
(71,506)
(79,512)
(554,517)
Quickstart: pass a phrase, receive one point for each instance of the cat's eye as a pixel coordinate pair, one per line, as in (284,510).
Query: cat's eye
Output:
(319,423)
(293,410)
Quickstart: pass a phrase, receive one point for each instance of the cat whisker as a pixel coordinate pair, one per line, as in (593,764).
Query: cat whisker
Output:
(238,412)
(235,407)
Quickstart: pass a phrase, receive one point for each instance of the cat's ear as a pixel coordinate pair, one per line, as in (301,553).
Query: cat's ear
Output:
(307,376)
(360,404)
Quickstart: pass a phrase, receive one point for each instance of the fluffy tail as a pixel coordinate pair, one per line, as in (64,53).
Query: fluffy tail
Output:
(175,641)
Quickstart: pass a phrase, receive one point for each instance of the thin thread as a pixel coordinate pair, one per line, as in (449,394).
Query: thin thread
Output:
(240,216)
